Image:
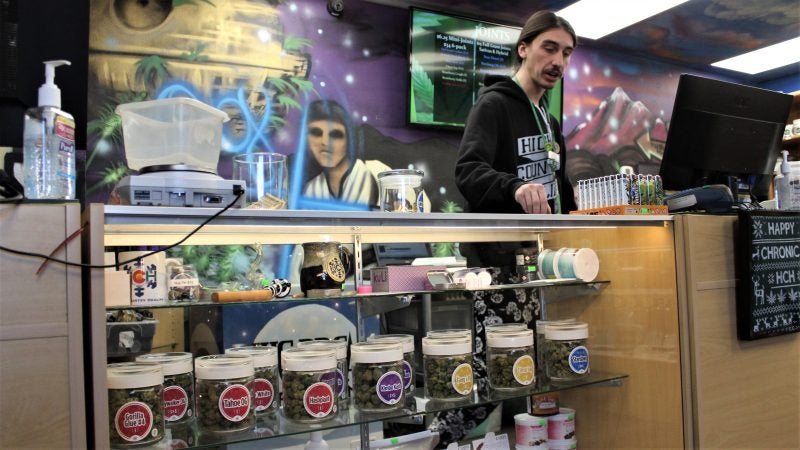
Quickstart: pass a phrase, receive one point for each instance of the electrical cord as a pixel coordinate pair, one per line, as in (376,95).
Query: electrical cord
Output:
(238,192)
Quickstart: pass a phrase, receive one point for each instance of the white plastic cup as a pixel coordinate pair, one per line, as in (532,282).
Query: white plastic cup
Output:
(265,176)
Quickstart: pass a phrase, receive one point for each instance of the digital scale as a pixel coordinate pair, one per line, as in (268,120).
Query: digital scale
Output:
(180,185)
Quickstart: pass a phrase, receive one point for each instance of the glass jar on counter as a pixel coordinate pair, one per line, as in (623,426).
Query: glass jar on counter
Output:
(377,375)
(225,392)
(541,364)
(266,379)
(509,356)
(340,381)
(183,283)
(135,406)
(409,358)
(308,393)
(447,361)
(178,392)
(566,351)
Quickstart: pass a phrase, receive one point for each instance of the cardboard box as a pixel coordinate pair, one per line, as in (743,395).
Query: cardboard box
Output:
(401,278)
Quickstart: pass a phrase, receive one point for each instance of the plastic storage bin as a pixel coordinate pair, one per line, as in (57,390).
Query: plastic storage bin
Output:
(172,131)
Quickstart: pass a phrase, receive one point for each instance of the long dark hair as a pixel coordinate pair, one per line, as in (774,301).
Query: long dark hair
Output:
(331,110)
(538,23)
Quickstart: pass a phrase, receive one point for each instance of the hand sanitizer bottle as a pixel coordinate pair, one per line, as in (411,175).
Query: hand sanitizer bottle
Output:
(782,194)
(49,144)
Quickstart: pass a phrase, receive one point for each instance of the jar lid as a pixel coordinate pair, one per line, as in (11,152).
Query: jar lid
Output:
(376,352)
(406,340)
(541,324)
(401,172)
(509,338)
(566,331)
(172,363)
(441,346)
(308,359)
(449,333)
(134,375)
(505,327)
(338,345)
(263,355)
(223,367)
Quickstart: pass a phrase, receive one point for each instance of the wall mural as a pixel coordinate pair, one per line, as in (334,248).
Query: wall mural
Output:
(287,73)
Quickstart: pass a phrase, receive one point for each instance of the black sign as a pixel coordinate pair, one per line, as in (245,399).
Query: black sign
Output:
(768,274)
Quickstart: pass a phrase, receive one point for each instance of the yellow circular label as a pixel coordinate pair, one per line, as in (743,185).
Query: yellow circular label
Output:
(335,268)
(462,379)
(523,370)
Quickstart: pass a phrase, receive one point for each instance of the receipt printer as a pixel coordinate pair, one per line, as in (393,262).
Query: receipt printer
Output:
(715,198)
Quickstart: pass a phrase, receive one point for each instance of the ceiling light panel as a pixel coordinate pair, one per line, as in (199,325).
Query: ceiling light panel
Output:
(594,19)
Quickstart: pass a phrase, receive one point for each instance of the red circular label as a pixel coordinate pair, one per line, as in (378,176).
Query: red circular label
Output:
(318,399)
(176,403)
(138,276)
(263,393)
(234,403)
(133,421)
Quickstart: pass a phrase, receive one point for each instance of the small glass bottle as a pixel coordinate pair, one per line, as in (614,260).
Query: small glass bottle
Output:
(341,381)
(225,392)
(183,283)
(135,407)
(377,375)
(308,394)
(566,350)
(178,393)
(447,362)
(409,358)
(266,383)
(509,357)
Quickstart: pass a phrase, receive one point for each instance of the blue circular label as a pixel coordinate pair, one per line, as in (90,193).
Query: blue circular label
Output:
(390,387)
(579,359)
(421,202)
(408,374)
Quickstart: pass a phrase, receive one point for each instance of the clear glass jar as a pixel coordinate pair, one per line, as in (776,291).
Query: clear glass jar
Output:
(401,190)
(447,362)
(339,382)
(135,408)
(308,394)
(409,358)
(566,351)
(183,283)
(266,382)
(377,375)
(178,392)
(225,392)
(541,364)
(509,356)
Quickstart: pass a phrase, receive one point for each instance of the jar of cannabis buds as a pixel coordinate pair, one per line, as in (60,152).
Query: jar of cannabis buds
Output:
(566,351)
(308,384)
(447,361)
(225,392)
(178,392)
(266,379)
(377,375)
(135,408)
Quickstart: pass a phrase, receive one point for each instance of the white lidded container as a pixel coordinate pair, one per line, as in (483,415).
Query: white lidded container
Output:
(224,391)
(172,131)
(178,392)
(340,347)
(309,377)
(401,190)
(134,403)
(447,361)
(377,375)
(266,382)
(409,357)
(566,351)
(510,356)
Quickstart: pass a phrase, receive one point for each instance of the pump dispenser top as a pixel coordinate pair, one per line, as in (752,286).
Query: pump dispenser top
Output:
(49,93)
(786,168)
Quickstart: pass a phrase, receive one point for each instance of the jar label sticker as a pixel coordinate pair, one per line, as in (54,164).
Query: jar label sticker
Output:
(234,403)
(523,370)
(408,374)
(134,421)
(335,268)
(462,379)
(263,393)
(183,282)
(176,403)
(390,387)
(318,399)
(336,380)
(421,202)
(579,359)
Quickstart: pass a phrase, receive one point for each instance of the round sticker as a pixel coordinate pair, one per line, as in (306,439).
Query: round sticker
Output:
(133,421)
(462,379)
(176,403)
(390,387)
(579,359)
(319,399)
(334,267)
(263,393)
(523,370)
(234,403)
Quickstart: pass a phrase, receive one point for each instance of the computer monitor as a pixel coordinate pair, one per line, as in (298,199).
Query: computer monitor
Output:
(721,130)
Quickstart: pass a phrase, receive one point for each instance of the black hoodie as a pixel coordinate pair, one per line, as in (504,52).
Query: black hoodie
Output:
(490,168)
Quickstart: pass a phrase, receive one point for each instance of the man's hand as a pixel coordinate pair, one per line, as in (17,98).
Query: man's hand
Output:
(533,198)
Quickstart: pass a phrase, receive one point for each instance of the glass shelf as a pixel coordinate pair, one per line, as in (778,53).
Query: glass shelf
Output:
(277,425)
(403,297)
